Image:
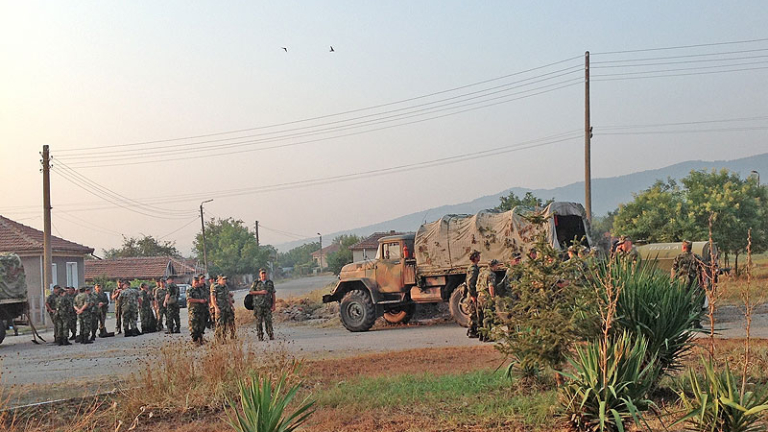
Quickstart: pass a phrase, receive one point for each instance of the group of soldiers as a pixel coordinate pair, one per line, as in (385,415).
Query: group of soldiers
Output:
(210,306)
(483,287)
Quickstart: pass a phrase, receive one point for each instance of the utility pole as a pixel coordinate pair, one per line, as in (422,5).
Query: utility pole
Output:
(321,252)
(47,259)
(202,225)
(257,235)
(587,143)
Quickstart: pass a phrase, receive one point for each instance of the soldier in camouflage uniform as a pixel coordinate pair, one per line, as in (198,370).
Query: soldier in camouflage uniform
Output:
(263,292)
(50,306)
(626,251)
(197,307)
(486,292)
(211,307)
(101,301)
(129,297)
(83,310)
(61,319)
(173,321)
(160,309)
(94,313)
(207,312)
(145,309)
(687,266)
(72,324)
(118,306)
(473,271)
(224,309)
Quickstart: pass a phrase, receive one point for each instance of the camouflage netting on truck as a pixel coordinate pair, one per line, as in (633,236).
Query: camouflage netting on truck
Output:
(13,282)
(447,242)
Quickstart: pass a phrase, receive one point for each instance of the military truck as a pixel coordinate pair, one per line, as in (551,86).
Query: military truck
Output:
(13,292)
(663,254)
(430,266)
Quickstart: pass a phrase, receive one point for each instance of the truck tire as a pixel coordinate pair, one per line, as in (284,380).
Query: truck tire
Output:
(357,311)
(457,306)
(2,331)
(400,315)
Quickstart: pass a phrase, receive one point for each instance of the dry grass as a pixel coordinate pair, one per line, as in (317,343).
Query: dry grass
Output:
(731,286)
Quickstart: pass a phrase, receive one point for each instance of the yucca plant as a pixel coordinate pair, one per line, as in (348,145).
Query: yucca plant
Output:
(600,399)
(264,406)
(651,304)
(718,404)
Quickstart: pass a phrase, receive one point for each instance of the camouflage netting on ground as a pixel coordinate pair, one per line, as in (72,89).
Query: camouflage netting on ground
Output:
(13,283)
(447,242)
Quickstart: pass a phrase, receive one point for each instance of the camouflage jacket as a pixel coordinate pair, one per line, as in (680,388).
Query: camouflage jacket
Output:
(687,266)
(486,280)
(173,292)
(130,299)
(473,271)
(263,301)
(64,307)
(199,293)
(81,300)
(51,302)
(146,301)
(221,295)
(159,294)
(101,297)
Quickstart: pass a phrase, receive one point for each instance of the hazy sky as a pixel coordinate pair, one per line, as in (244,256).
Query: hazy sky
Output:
(224,112)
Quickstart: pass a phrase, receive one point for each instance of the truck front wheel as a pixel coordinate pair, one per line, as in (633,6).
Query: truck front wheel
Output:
(400,315)
(357,311)
(458,307)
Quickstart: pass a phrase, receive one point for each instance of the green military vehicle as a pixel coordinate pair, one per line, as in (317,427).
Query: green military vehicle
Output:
(430,266)
(13,293)
(663,254)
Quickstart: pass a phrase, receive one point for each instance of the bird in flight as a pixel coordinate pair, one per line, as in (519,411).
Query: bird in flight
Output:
(332,50)
(284,48)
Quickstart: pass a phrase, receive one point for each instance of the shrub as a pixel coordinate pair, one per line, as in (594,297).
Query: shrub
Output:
(264,406)
(654,306)
(604,399)
(720,405)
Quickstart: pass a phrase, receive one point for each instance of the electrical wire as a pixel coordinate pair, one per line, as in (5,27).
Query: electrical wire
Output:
(640,126)
(285,233)
(607,77)
(680,47)
(179,229)
(599,62)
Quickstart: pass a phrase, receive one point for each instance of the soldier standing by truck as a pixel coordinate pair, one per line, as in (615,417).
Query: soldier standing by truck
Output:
(486,293)
(263,292)
(118,306)
(62,317)
(473,272)
(687,266)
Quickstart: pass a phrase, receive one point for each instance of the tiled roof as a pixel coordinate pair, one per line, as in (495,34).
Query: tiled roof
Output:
(372,241)
(21,239)
(138,268)
(333,247)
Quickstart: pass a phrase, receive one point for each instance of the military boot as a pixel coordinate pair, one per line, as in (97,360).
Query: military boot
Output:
(58,341)
(103,333)
(73,337)
(64,341)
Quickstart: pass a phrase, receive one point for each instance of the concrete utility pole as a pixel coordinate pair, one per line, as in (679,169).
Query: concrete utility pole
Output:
(757,174)
(202,224)
(587,143)
(321,252)
(257,235)
(47,259)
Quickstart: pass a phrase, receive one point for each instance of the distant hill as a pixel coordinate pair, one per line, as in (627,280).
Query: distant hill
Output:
(607,194)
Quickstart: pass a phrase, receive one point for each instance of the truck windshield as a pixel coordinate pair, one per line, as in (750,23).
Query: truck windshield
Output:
(391,251)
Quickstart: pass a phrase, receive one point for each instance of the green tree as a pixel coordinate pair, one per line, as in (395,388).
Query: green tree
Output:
(658,214)
(231,248)
(142,247)
(339,259)
(298,255)
(528,201)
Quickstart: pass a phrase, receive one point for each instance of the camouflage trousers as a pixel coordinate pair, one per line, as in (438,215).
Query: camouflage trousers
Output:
(61,326)
(101,318)
(263,317)
(53,322)
(474,317)
(85,324)
(129,318)
(118,315)
(72,323)
(486,310)
(225,324)
(172,320)
(197,321)
(148,323)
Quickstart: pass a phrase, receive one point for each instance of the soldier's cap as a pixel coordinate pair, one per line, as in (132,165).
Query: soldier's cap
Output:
(687,243)
(262,270)
(493,262)
(474,254)
(201,276)
(88,287)
(517,255)
(169,277)
(82,289)
(223,276)
(624,238)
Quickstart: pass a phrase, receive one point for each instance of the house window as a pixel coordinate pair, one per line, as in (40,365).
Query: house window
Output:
(54,275)
(72,279)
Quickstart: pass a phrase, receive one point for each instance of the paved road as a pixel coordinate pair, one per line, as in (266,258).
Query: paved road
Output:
(25,363)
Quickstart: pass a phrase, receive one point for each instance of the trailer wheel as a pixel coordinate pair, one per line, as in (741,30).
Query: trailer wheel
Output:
(357,311)
(400,315)
(2,331)
(458,306)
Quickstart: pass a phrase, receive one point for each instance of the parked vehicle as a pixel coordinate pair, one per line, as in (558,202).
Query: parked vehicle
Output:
(183,294)
(430,265)
(663,254)
(14,308)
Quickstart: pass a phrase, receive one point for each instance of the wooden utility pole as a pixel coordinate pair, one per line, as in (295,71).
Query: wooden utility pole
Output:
(257,234)
(47,258)
(587,143)
(202,225)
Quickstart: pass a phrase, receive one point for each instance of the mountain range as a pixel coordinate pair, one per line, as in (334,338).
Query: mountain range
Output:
(607,194)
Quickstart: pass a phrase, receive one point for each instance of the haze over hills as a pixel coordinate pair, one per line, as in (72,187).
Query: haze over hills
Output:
(607,194)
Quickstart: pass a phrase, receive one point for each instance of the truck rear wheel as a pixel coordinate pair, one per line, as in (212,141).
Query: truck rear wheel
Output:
(458,307)
(400,315)
(357,311)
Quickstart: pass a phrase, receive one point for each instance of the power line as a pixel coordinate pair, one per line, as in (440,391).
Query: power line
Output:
(675,57)
(681,69)
(90,225)
(636,65)
(195,219)
(285,233)
(607,77)
(334,114)
(680,47)
(745,129)
(639,126)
